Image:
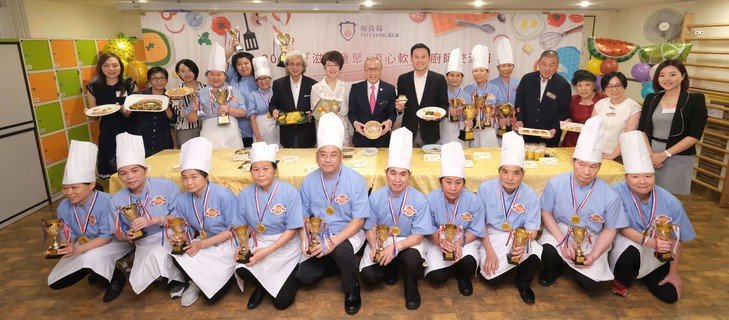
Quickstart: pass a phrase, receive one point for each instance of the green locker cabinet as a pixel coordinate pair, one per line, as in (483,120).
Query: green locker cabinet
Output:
(55,176)
(36,54)
(49,117)
(80,133)
(69,83)
(86,51)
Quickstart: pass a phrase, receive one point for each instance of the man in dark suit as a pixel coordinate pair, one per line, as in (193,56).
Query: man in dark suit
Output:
(295,84)
(372,99)
(423,88)
(543,100)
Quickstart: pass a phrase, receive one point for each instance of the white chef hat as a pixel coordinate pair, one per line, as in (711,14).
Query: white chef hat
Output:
(454,61)
(261,151)
(512,149)
(81,163)
(401,149)
(480,56)
(216,61)
(260,65)
(129,150)
(504,54)
(634,151)
(452,160)
(589,144)
(196,154)
(330,131)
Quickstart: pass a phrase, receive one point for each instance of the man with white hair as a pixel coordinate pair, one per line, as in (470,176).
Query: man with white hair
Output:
(293,93)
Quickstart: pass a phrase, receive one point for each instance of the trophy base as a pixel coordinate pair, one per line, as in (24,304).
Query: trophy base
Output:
(579,260)
(377,257)
(510,259)
(223,120)
(177,250)
(449,256)
(52,254)
(244,258)
(664,256)
(466,135)
(453,118)
(139,234)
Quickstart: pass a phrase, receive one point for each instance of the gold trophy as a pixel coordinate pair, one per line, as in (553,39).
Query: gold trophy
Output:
(663,232)
(450,231)
(235,35)
(221,96)
(242,234)
(469,112)
(179,227)
(488,113)
(454,111)
(52,227)
(579,234)
(382,233)
(505,110)
(127,214)
(283,40)
(314,224)
(521,236)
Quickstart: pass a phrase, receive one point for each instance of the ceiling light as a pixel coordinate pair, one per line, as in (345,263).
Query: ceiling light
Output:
(585,4)
(368,3)
(478,3)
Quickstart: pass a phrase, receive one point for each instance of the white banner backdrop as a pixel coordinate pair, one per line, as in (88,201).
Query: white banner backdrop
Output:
(172,36)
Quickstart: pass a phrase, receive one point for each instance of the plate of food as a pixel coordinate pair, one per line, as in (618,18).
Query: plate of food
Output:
(325,106)
(289,118)
(349,152)
(535,132)
(571,126)
(102,110)
(146,102)
(431,148)
(370,152)
(431,113)
(373,129)
(178,93)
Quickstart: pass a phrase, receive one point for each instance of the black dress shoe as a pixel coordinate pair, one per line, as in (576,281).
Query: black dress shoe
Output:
(546,279)
(391,279)
(352,301)
(412,298)
(256,298)
(464,285)
(116,286)
(527,295)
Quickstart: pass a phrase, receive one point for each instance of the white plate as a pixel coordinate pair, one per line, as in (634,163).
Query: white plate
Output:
(571,126)
(183,91)
(132,99)
(431,148)
(421,113)
(534,132)
(111,108)
(370,152)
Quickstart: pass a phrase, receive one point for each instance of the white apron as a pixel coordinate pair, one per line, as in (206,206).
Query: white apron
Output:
(434,257)
(357,240)
(151,261)
(101,260)
(648,261)
(273,270)
(268,129)
(211,267)
(366,261)
(600,269)
(502,246)
(449,131)
(222,137)
(485,138)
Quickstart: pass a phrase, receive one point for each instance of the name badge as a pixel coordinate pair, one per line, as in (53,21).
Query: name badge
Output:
(668,110)
(548,161)
(431,157)
(359,163)
(290,159)
(610,114)
(551,95)
(530,164)
(468,163)
(482,155)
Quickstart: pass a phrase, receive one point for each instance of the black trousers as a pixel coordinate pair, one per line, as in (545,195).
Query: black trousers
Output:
(524,273)
(553,265)
(409,260)
(286,295)
(218,294)
(626,271)
(80,274)
(247,142)
(464,268)
(314,269)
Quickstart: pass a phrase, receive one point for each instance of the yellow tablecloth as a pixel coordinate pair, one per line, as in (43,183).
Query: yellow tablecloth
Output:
(295,164)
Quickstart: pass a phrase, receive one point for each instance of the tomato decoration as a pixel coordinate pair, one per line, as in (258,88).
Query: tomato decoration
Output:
(577,18)
(220,25)
(556,19)
(418,17)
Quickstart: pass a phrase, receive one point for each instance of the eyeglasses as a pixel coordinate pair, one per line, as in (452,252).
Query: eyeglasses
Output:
(157,79)
(613,86)
(372,70)
(297,65)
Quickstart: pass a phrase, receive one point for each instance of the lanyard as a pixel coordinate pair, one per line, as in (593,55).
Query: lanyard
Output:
(268,203)
(654,205)
(84,226)
(396,218)
(334,191)
(574,200)
(146,199)
(200,218)
(508,210)
(267,98)
(451,217)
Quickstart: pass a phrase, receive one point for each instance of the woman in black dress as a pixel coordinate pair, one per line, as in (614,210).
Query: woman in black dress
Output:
(154,127)
(109,87)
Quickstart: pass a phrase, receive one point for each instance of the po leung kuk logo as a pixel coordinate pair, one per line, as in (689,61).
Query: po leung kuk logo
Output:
(347,29)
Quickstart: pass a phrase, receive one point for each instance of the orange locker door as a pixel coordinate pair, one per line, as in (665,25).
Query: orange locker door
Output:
(55,147)
(94,128)
(100,44)
(87,74)
(64,54)
(43,86)
(73,111)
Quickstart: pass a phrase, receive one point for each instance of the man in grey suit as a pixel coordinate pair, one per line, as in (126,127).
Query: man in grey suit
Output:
(372,99)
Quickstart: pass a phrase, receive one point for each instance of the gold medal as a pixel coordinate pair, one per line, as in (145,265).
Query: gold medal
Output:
(330,210)
(203,235)
(575,219)
(506,226)
(261,228)
(396,231)
(83,239)
(645,233)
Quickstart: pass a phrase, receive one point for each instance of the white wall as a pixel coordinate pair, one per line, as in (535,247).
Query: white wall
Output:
(48,19)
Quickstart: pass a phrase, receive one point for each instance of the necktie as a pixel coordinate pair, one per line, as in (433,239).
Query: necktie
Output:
(372,98)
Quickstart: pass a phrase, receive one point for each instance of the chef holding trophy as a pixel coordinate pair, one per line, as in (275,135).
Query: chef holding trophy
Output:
(458,99)
(650,247)
(338,195)
(83,229)
(399,221)
(580,225)
(219,105)
(209,209)
(512,220)
(271,210)
(484,97)
(458,217)
(142,208)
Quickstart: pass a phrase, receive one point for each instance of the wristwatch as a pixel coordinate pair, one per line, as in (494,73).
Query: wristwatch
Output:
(668,154)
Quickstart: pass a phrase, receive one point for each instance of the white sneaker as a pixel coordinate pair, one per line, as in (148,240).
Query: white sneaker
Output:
(190,295)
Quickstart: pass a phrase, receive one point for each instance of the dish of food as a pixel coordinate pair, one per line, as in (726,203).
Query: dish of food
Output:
(571,126)
(147,105)
(431,113)
(294,117)
(372,129)
(325,106)
(241,151)
(534,132)
(146,102)
(177,93)
(349,151)
(431,148)
(102,110)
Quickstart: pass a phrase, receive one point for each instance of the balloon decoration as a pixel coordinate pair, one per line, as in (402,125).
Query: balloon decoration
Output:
(598,83)
(647,89)
(593,66)
(609,65)
(641,72)
(137,71)
(657,53)
(652,73)
(122,46)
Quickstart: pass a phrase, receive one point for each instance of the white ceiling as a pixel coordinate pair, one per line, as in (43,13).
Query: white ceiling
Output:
(425,5)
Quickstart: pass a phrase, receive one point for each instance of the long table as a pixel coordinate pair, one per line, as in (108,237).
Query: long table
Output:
(295,164)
